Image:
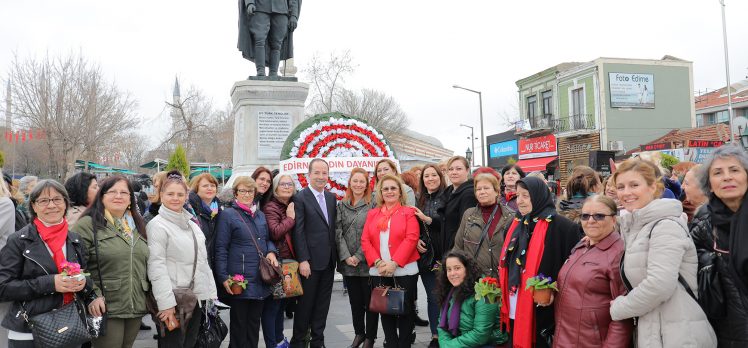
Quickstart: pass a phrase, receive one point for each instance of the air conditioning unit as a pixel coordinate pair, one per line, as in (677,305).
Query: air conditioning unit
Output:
(616,145)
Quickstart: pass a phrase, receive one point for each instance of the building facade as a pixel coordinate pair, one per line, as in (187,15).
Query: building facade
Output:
(608,104)
(413,149)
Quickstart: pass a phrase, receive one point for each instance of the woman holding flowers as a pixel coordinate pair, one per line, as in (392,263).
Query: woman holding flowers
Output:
(241,230)
(539,240)
(659,265)
(469,316)
(590,280)
(113,232)
(178,260)
(32,261)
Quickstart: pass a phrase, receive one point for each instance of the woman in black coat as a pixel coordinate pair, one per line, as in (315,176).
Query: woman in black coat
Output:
(719,233)
(538,242)
(458,197)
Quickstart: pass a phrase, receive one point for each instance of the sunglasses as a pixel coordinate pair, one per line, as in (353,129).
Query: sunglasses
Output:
(596,217)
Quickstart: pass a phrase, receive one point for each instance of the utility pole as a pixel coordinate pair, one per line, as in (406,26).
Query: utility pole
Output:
(727,71)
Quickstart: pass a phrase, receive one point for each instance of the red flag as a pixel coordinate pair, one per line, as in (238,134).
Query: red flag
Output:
(7,136)
(17,137)
(31,132)
(23,136)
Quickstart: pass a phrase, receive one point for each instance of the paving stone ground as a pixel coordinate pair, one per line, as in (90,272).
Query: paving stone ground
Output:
(339,331)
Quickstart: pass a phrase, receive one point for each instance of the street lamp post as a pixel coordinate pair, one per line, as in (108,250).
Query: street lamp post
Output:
(727,71)
(469,156)
(472,141)
(482,138)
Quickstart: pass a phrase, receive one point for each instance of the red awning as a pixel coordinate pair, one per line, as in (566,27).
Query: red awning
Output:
(535,164)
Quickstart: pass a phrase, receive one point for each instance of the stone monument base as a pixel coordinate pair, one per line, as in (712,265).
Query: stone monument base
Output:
(265,112)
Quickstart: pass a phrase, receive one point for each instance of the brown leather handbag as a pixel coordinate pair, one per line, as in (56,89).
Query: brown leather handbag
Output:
(270,274)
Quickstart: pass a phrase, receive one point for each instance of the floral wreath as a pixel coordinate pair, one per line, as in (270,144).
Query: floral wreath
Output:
(334,135)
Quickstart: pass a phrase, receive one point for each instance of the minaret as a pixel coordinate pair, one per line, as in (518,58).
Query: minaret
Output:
(8,111)
(176,100)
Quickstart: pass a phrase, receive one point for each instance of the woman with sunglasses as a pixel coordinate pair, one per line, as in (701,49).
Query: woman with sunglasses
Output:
(589,280)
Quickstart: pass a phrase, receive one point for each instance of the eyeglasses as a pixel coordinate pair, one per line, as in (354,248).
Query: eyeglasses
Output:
(117,194)
(390,188)
(597,217)
(285,184)
(45,201)
(245,192)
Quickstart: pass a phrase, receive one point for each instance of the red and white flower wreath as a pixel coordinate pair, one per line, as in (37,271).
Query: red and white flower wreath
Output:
(338,137)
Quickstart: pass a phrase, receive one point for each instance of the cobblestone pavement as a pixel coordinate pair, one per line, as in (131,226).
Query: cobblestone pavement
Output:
(339,331)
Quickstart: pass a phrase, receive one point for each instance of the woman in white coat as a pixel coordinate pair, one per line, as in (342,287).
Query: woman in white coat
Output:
(660,257)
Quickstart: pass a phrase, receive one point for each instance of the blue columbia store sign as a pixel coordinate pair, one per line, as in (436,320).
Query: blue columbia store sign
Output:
(506,148)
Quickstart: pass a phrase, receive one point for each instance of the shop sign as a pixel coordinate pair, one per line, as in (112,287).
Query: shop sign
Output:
(578,148)
(505,148)
(656,147)
(705,143)
(544,146)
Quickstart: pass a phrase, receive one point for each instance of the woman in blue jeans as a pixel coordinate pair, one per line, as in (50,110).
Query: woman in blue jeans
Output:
(431,200)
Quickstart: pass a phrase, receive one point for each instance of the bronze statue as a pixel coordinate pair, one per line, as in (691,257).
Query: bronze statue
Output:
(267,23)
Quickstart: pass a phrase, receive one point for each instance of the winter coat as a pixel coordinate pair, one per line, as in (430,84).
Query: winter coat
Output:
(732,329)
(207,224)
(432,204)
(27,272)
(236,253)
(668,316)
(280,225)
(172,256)
(468,238)
(571,208)
(587,282)
(7,219)
(479,325)
(457,201)
(122,266)
(348,230)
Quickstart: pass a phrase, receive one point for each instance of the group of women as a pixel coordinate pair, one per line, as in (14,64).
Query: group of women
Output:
(625,260)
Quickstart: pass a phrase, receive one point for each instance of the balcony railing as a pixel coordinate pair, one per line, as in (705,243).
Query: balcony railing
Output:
(539,122)
(576,122)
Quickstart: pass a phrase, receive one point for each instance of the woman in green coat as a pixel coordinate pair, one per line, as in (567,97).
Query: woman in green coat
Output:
(464,321)
(118,269)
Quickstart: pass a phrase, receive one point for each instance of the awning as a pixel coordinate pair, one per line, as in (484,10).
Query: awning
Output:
(535,164)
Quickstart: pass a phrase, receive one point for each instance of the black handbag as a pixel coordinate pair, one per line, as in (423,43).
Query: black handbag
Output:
(64,327)
(213,329)
(711,296)
(426,260)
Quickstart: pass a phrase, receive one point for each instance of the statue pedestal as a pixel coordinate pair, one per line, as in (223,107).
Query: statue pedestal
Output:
(265,112)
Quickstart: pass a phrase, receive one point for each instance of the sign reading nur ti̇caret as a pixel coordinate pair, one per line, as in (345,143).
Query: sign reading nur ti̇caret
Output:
(544,146)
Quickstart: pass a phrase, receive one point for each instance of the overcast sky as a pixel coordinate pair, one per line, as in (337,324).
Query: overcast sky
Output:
(414,50)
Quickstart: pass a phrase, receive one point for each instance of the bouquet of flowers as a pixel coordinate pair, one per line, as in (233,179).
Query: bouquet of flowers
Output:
(542,287)
(237,284)
(73,270)
(488,288)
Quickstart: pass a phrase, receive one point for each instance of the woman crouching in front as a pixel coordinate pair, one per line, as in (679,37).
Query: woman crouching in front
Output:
(464,321)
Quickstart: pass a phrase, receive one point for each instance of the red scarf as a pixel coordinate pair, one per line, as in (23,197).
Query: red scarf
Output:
(509,195)
(523,333)
(55,236)
(386,214)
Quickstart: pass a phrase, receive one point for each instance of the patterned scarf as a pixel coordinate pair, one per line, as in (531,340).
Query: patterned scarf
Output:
(250,210)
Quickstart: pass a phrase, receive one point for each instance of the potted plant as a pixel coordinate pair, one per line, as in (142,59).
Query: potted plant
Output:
(488,288)
(542,288)
(237,284)
(73,270)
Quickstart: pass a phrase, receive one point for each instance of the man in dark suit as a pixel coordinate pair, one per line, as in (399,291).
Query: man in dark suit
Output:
(314,242)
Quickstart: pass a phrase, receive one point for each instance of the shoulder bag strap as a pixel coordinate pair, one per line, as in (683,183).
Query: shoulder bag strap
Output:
(194,262)
(485,230)
(251,235)
(98,260)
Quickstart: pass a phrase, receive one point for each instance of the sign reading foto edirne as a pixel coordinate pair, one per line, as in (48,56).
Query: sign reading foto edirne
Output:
(273,127)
